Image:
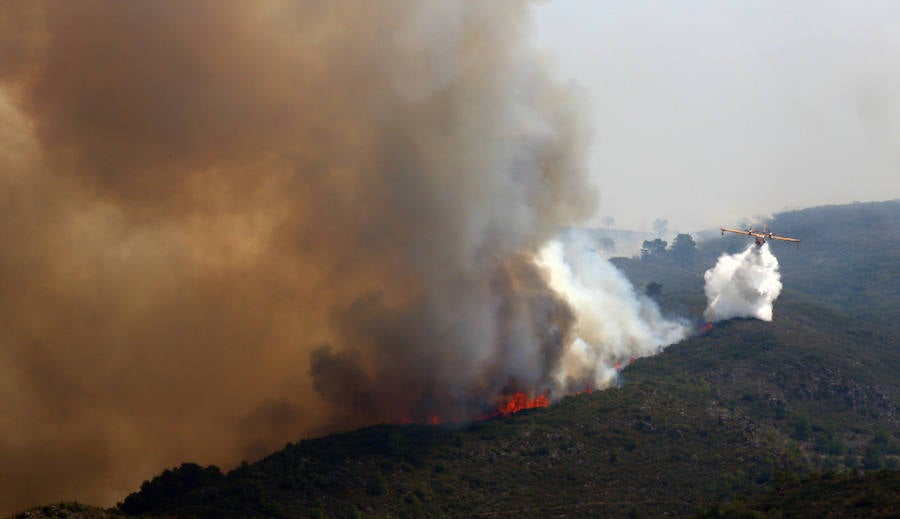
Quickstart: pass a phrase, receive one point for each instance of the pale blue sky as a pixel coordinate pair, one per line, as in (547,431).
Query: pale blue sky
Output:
(706,112)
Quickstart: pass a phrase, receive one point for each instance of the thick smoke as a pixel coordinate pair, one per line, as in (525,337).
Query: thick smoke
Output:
(745,284)
(614,323)
(227,225)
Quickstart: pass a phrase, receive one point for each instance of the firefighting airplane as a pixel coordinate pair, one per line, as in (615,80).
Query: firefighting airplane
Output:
(760,237)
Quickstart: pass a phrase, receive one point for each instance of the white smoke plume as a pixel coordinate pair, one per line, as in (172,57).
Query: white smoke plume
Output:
(614,323)
(745,284)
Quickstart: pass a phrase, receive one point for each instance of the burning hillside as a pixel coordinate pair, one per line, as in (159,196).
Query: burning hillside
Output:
(237,223)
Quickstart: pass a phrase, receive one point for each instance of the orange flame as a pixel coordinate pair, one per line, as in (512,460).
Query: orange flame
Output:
(510,404)
(520,401)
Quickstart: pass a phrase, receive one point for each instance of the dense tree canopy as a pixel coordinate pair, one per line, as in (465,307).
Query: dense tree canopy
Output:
(684,249)
(653,249)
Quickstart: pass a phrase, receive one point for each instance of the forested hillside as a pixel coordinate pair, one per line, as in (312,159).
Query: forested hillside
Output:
(749,416)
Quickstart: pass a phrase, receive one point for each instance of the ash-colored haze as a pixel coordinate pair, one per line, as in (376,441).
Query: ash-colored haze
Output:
(744,284)
(227,225)
(707,112)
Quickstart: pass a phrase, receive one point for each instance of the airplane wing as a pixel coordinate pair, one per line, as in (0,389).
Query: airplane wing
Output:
(784,238)
(724,229)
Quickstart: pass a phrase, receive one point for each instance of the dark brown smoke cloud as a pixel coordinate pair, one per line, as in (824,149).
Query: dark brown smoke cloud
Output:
(227,225)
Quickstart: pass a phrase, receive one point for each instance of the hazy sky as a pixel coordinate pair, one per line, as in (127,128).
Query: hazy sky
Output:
(706,112)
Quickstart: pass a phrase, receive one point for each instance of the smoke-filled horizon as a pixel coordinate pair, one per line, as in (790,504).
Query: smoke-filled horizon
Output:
(707,112)
(227,225)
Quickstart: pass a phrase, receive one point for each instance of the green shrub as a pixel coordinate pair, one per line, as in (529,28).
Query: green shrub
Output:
(377,486)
